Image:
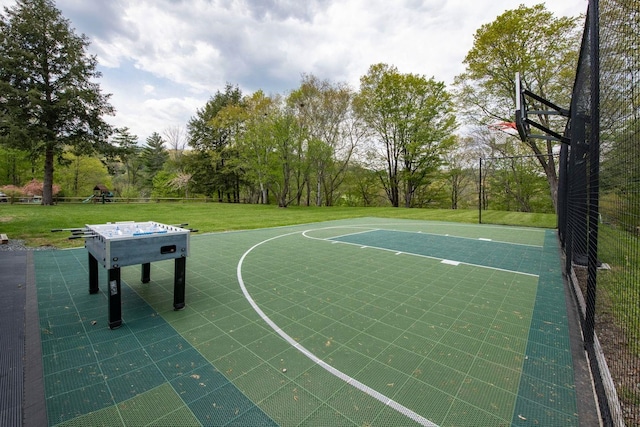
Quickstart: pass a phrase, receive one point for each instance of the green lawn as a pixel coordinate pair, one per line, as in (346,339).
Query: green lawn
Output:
(33,223)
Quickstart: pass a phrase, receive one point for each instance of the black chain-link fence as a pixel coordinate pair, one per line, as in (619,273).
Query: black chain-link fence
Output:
(513,183)
(599,203)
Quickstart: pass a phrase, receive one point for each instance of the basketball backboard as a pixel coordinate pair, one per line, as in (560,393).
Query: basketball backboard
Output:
(542,107)
(521,110)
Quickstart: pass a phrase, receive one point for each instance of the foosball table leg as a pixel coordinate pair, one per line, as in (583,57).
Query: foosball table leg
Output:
(115,307)
(178,283)
(146,273)
(93,275)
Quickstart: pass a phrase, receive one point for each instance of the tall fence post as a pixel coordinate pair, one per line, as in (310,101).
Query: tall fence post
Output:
(480,189)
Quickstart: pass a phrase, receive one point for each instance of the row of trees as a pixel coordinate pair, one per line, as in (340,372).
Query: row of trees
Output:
(300,148)
(391,141)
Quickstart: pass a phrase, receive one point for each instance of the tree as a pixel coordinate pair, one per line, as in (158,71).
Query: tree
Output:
(544,49)
(49,96)
(175,139)
(285,168)
(36,188)
(413,122)
(128,152)
(213,135)
(458,172)
(153,157)
(12,191)
(362,187)
(255,147)
(181,181)
(202,169)
(327,119)
(15,166)
(81,175)
(162,187)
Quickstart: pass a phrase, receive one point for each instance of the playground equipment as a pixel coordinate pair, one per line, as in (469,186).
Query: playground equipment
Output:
(100,194)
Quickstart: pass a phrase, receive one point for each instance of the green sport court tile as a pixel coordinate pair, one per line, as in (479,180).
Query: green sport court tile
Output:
(124,363)
(222,406)
(291,362)
(326,415)
(75,402)
(506,256)
(261,382)
(290,405)
(319,382)
(416,307)
(128,362)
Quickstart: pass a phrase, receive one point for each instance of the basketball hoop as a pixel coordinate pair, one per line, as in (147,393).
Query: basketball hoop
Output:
(507,127)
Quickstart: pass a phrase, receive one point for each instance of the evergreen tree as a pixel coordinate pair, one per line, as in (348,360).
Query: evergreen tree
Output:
(49,96)
(154,155)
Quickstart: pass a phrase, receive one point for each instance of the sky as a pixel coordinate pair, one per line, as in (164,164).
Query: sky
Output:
(162,60)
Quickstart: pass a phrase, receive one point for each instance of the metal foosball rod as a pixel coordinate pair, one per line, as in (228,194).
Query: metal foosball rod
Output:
(183,226)
(83,236)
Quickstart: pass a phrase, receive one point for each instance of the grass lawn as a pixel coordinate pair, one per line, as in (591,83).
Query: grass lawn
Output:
(33,223)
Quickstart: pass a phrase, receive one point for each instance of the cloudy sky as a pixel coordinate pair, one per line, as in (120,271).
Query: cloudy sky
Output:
(163,59)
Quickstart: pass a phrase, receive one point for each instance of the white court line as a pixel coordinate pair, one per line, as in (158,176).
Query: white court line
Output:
(462,237)
(349,380)
(419,232)
(450,262)
(368,230)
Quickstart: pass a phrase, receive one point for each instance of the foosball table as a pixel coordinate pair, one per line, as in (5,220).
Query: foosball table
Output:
(119,244)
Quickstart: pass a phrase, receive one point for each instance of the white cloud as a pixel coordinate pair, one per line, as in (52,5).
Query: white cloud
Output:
(163,59)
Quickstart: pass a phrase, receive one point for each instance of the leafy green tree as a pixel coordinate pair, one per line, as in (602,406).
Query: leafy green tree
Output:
(285,166)
(15,166)
(274,148)
(162,185)
(128,153)
(81,175)
(458,172)
(544,49)
(361,187)
(202,169)
(255,147)
(514,184)
(49,99)
(327,120)
(209,133)
(413,122)
(153,157)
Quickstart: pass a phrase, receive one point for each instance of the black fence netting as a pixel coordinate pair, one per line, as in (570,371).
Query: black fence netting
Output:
(513,183)
(599,203)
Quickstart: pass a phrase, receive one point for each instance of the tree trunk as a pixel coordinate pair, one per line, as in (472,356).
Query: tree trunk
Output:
(395,194)
(319,191)
(264,194)
(47,184)
(76,177)
(552,179)
(548,164)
